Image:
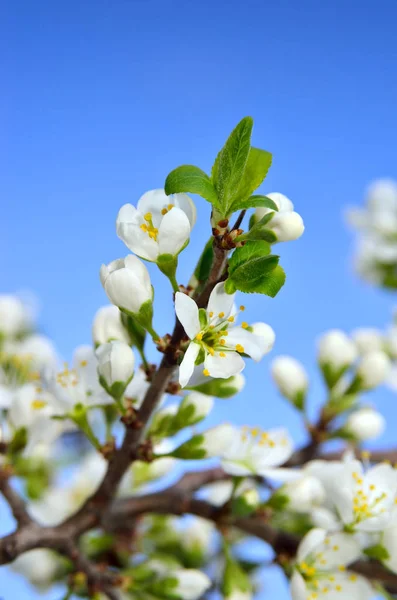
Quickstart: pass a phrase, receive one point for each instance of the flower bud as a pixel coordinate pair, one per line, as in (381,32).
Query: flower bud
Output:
(191,584)
(367,339)
(14,316)
(116,363)
(290,378)
(365,424)
(221,388)
(196,406)
(127,283)
(107,326)
(287,226)
(373,369)
(336,349)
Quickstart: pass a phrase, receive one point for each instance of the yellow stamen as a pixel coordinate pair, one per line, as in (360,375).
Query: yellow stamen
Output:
(239,348)
(222,354)
(242,307)
(211,314)
(164,211)
(338,588)
(342,568)
(199,337)
(222,342)
(231,319)
(244,325)
(148,216)
(37,404)
(211,351)
(221,315)
(83,363)
(353,577)
(144,227)
(170,206)
(365,455)
(206,372)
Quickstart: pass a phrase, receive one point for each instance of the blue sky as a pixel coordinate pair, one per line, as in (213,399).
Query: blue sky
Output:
(104,97)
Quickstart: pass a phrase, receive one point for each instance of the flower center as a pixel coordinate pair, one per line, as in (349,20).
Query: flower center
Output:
(149,228)
(38,404)
(366,505)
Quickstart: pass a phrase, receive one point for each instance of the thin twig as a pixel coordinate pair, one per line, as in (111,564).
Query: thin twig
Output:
(239,220)
(15,502)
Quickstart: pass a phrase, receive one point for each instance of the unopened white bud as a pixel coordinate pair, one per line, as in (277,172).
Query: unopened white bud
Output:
(336,349)
(201,404)
(107,326)
(191,584)
(115,363)
(14,316)
(365,424)
(127,283)
(290,376)
(373,369)
(367,339)
(287,226)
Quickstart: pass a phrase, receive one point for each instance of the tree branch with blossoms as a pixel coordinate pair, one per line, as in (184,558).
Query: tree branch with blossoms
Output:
(128,521)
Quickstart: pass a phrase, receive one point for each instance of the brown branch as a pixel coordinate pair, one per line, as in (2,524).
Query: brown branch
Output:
(15,502)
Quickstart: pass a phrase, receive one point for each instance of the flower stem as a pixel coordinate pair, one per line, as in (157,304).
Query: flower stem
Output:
(153,333)
(174,283)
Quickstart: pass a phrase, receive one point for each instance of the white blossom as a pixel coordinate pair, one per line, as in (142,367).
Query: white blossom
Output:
(320,569)
(367,339)
(365,424)
(336,349)
(160,224)
(127,283)
(32,408)
(373,369)
(79,384)
(220,342)
(107,326)
(39,351)
(290,376)
(305,493)
(116,362)
(256,452)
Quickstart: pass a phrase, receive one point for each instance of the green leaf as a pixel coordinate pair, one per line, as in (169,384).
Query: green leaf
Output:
(230,164)
(254,202)
(189,178)
(378,552)
(250,272)
(258,165)
(204,264)
(247,253)
(221,388)
(269,282)
(258,233)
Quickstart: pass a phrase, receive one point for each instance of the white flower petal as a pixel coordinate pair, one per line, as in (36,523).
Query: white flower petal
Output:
(187,365)
(341,549)
(252,344)
(153,202)
(310,542)
(174,231)
(283,475)
(129,231)
(184,202)
(219,301)
(224,367)
(298,587)
(188,314)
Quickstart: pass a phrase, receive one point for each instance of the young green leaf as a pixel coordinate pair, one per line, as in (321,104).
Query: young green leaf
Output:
(258,164)
(258,233)
(189,178)
(249,273)
(254,202)
(247,253)
(268,281)
(230,164)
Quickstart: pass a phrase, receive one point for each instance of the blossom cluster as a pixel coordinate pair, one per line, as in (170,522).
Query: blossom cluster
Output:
(376,226)
(64,428)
